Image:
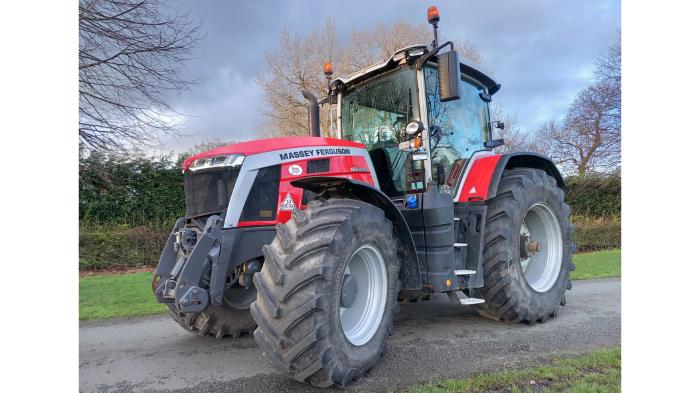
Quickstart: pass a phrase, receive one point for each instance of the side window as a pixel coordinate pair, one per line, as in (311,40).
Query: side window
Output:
(457,128)
(375,113)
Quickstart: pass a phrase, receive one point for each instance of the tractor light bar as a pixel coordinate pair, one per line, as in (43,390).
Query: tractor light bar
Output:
(232,160)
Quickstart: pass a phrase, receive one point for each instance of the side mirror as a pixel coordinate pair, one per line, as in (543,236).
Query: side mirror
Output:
(492,143)
(448,71)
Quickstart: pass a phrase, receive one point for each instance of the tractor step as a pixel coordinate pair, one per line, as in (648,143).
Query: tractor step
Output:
(464,272)
(462,298)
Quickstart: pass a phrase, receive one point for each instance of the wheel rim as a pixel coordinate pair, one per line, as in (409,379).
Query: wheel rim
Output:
(540,247)
(366,275)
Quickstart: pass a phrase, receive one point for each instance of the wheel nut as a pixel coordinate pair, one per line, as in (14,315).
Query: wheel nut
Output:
(534,246)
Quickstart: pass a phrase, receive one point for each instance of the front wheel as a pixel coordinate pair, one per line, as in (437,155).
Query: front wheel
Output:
(327,291)
(528,248)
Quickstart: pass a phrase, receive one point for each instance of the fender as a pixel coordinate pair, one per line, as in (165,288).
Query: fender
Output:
(411,274)
(523,159)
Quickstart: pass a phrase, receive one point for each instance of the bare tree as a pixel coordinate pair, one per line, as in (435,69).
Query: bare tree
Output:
(298,64)
(514,138)
(208,144)
(588,139)
(132,52)
(609,66)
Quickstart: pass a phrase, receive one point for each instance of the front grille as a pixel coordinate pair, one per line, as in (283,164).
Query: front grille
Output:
(208,191)
(318,166)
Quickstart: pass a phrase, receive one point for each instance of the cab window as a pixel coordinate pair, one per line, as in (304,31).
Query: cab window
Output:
(457,129)
(375,113)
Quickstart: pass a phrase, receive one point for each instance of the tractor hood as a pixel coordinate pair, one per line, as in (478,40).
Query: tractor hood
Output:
(270,144)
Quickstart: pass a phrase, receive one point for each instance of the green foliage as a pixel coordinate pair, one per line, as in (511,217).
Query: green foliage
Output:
(135,191)
(594,196)
(120,247)
(591,234)
(149,190)
(128,206)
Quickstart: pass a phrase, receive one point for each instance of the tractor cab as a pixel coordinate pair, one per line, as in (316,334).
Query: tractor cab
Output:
(416,129)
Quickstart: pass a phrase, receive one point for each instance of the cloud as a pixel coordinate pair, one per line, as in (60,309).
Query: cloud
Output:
(542,52)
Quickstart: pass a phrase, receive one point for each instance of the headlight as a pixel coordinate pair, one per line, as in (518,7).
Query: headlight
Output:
(232,160)
(414,127)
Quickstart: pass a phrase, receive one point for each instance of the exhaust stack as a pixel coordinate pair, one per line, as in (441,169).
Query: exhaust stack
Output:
(314,122)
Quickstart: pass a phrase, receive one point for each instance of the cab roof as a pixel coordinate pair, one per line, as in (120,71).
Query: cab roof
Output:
(410,54)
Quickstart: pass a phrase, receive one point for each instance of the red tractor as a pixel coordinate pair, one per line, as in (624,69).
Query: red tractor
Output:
(315,240)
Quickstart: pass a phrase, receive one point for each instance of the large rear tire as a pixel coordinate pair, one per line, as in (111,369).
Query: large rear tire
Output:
(327,292)
(528,249)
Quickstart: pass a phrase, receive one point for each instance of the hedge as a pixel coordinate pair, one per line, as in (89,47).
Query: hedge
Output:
(122,247)
(128,205)
(594,196)
(137,191)
(597,234)
(148,191)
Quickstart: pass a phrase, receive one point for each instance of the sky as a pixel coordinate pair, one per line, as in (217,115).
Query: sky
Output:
(542,52)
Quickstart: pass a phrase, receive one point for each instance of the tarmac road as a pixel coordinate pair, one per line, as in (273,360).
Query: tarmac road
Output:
(433,339)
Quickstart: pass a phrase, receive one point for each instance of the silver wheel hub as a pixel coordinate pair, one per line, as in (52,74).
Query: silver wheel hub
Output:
(541,247)
(363,295)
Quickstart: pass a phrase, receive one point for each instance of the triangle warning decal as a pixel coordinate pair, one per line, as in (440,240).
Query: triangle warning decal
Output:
(287,203)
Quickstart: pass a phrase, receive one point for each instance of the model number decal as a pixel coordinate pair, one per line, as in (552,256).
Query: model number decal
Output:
(313,153)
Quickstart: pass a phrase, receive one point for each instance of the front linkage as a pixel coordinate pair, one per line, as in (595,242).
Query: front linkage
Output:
(184,261)
(197,267)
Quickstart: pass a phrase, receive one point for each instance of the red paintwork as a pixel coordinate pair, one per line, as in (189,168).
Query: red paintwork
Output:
(479,178)
(265,145)
(339,167)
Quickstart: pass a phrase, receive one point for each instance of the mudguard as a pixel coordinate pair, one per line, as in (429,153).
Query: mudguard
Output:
(523,159)
(412,274)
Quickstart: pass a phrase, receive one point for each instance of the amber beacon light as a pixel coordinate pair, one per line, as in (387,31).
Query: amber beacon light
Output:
(433,14)
(328,69)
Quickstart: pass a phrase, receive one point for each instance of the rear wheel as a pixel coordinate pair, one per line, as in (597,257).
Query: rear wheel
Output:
(528,248)
(327,291)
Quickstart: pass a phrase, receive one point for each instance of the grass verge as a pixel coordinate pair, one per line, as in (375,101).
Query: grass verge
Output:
(128,295)
(117,295)
(597,264)
(597,372)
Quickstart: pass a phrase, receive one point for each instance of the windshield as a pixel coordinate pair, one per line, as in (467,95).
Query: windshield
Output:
(457,128)
(375,113)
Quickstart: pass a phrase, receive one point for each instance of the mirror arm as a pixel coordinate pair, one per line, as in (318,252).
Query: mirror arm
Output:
(423,59)
(492,143)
